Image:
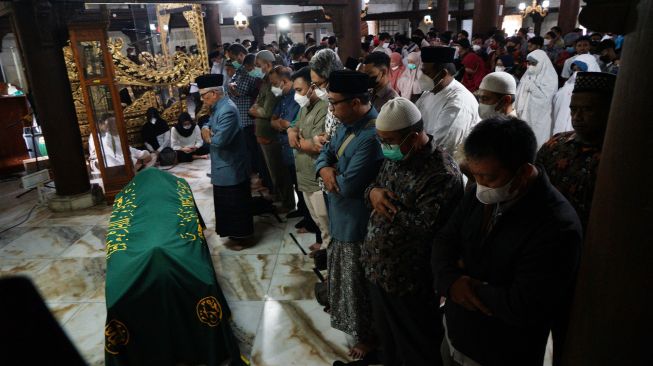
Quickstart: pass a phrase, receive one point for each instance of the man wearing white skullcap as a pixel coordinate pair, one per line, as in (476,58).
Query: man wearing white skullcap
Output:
(497,95)
(416,190)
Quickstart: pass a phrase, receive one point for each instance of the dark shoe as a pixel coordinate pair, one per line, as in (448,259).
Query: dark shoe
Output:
(301,224)
(320,259)
(321,293)
(294,214)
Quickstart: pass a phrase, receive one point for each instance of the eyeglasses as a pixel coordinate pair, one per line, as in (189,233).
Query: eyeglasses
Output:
(205,93)
(318,85)
(333,103)
(387,144)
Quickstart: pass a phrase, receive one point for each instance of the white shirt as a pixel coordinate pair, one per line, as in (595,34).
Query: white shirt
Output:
(380,48)
(112,149)
(163,140)
(449,115)
(179,142)
(217,68)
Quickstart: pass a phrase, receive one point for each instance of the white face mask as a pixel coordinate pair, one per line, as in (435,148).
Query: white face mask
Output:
(499,69)
(394,68)
(302,100)
(547,41)
(321,93)
(187,127)
(386,45)
(426,83)
(277,91)
(531,69)
(486,111)
(490,196)
(476,48)
(152,120)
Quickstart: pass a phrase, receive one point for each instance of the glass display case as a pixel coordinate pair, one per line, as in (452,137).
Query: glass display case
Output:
(109,150)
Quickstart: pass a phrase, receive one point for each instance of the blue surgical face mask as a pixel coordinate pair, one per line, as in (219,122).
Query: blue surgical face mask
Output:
(571,50)
(257,73)
(236,64)
(412,66)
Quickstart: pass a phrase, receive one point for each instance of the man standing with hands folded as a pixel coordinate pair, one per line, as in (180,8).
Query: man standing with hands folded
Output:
(507,258)
(414,194)
(229,164)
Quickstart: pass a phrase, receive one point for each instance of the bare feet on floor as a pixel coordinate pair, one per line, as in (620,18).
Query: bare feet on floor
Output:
(360,350)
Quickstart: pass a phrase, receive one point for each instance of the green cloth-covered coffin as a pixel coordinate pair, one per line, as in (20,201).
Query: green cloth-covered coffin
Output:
(164,305)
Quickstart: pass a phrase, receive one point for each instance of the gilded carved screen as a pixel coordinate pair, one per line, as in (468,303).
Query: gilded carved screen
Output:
(157,79)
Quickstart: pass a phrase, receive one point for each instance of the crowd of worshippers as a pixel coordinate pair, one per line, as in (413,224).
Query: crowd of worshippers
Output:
(450,213)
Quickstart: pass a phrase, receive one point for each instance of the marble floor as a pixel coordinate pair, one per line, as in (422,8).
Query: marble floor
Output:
(269,286)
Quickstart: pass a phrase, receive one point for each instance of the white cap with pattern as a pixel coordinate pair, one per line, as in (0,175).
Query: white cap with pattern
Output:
(499,82)
(397,114)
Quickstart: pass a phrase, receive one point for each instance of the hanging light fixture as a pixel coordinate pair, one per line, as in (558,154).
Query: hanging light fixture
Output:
(240,21)
(428,20)
(534,9)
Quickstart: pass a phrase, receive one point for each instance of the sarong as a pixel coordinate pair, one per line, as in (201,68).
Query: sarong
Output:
(351,309)
(233,210)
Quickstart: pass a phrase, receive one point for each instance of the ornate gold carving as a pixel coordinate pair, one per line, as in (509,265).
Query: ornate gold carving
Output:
(116,336)
(209,311)
(161,70)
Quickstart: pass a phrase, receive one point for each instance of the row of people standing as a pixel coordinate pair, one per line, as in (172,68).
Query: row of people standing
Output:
(502,295)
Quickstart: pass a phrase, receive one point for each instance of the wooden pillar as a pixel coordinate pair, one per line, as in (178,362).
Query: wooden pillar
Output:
(442,16)
(502,6)
(212,26)
(414,22)
(257,25)
(611,317)
(48,79)
(459,17)
(347,27)
(485,15)
(568,15)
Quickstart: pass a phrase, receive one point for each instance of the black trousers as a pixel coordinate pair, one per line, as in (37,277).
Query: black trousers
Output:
(257,162)
(183,157)
(409,328)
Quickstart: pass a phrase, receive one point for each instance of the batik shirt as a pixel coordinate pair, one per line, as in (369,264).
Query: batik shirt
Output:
(396,254)
(572,167)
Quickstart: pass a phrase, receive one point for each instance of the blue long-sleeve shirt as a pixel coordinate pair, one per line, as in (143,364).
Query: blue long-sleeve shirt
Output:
(228,149)
(356,169)
(286,109)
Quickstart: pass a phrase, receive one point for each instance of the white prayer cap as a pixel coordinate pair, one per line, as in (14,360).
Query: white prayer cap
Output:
(397,114)
(266,56)
(499,82)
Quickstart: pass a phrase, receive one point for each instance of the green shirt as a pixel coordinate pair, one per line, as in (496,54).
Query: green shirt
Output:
(267,101)
(310,121)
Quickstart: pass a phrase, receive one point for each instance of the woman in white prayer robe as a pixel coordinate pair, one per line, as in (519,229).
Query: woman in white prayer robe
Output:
(561,113)
(535,93)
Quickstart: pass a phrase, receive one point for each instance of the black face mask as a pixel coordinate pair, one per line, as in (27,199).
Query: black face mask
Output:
(373,83)
(510,49)
(605,59)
